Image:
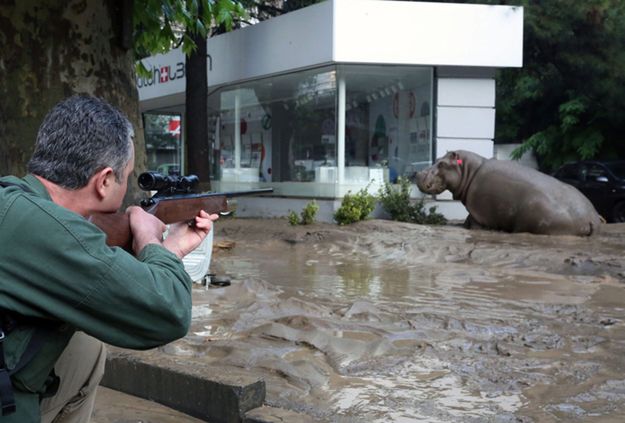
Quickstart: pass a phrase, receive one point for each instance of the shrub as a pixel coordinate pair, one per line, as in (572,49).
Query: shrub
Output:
(307,216)
(396,202)
(293,218)
(309,213)
(355,207)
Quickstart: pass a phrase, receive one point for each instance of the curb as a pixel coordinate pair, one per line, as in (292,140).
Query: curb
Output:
(210,393)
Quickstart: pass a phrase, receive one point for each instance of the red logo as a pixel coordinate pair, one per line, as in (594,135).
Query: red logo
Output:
(164,74)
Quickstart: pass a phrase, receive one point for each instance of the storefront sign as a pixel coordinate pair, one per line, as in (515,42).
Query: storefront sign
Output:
(162,75)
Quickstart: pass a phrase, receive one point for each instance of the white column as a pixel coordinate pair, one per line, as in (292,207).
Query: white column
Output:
(237,132)
(465,117)
(340,128)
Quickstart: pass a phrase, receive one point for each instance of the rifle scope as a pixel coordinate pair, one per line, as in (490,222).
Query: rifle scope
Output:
(153,181)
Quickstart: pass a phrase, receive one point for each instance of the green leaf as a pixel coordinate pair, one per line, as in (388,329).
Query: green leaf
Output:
(188,45)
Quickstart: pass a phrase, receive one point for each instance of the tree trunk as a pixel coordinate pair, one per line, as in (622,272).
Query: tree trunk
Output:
(53,49)
(196,121)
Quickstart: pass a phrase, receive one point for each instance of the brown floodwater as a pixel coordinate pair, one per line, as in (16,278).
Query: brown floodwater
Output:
(391,322)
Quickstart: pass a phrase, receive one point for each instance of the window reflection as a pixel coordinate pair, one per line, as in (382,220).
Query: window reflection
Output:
(284,128)
(388,121)
(163,142)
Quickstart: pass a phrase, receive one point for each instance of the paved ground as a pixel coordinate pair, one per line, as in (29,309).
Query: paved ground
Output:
(116,407)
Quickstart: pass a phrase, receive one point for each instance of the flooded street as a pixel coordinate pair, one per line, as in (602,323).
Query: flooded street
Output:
(384,321)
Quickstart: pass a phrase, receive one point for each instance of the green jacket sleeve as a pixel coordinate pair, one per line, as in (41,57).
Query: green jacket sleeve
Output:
(56,264)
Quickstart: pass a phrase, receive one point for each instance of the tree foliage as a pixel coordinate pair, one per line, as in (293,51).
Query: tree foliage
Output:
(160,25)
(260,10)
(568,100)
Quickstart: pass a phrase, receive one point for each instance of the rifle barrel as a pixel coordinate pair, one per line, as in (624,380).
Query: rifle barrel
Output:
(215,194)
(249,192)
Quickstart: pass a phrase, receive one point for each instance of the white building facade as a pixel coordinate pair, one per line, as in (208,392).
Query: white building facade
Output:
(339,96)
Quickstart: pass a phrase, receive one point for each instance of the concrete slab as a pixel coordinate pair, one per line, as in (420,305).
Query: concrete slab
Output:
(207,392)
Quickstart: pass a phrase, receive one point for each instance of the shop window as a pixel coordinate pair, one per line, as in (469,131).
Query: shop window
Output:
(284,128)
(280,129)
(387,121)
(163,142)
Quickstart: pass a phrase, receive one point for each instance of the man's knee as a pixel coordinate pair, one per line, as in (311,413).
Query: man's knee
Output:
(80,369)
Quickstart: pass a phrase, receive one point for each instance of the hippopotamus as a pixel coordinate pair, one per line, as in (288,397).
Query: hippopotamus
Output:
(505,195)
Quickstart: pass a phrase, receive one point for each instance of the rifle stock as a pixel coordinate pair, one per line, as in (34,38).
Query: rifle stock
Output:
(172,209)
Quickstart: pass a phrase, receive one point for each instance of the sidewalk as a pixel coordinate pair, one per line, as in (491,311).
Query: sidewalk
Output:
(116,407)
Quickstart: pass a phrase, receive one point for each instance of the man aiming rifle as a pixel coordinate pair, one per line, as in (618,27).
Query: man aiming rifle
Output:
(63,291)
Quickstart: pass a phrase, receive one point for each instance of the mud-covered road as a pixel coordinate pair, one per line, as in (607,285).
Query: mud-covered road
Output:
(384,321)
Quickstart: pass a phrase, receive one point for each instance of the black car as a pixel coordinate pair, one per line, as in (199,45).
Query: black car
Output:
(603,182)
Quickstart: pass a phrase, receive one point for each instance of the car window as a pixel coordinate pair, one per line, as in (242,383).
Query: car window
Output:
(618,169)
(595,171)
(570,171)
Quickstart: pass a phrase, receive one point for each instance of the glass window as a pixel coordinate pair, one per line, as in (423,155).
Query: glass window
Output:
(283,130)
(388,121)
(570,171)
(618,169)
(279,129)
(595,171)
(163,142)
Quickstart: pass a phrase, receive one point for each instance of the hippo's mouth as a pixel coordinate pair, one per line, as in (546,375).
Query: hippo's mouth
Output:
(431,189)
(429,185)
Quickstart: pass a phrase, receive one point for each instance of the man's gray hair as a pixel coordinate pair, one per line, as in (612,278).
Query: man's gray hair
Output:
(79,137)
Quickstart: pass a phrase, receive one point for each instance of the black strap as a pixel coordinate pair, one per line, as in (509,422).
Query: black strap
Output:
(6,388)
(38,338)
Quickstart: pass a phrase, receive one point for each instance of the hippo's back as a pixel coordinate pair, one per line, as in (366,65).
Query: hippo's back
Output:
(559,206)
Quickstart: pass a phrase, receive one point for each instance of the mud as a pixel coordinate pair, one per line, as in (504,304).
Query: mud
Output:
(384,321)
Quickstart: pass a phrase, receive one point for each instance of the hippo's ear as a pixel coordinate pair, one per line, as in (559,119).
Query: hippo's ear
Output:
(451,157)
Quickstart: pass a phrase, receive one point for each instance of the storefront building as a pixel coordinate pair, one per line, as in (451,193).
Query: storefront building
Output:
(338,96)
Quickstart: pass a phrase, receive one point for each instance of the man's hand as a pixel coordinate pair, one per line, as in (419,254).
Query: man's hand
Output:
(183,238)
(145,228)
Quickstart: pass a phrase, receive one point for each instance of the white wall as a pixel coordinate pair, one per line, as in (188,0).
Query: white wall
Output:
(400,32)
(353,31)
(503,152)
(465,116)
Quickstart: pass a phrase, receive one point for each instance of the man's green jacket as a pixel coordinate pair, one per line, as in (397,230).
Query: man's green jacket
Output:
(56,266)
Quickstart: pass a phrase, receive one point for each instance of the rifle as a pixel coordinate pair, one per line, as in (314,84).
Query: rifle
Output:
(174,201)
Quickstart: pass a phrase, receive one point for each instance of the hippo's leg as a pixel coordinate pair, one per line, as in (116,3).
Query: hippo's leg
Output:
(471,223)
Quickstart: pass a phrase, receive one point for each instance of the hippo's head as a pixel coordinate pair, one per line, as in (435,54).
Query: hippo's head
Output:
(445,173)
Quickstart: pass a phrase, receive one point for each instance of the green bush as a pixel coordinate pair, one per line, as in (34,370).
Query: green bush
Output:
(293,218)
(396,202)
(309,213)
(355,207)
(307,216)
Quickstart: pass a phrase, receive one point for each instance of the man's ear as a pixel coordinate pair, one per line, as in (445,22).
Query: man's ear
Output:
(103,181)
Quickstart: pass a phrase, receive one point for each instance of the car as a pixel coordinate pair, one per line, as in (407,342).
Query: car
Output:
(603,182)
(169,169)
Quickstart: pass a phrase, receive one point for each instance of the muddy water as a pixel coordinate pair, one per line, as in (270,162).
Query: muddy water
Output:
(393,322)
